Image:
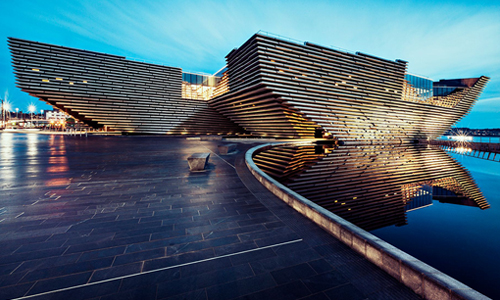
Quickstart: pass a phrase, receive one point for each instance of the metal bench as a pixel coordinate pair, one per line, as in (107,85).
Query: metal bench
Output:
(198,161)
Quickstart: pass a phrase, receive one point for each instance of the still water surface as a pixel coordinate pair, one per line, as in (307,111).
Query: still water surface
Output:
(461,241)
(392,192)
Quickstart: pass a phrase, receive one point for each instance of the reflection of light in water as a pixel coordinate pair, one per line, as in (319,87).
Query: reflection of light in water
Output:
(32,143)
(463,150)
(32,153)
(57,182)
(58,162)
(56,169)
(7,171)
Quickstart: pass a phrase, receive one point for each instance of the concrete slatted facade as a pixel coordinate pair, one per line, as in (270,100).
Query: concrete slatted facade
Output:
(272,87)
(109,90)
(368,185)
(287,89)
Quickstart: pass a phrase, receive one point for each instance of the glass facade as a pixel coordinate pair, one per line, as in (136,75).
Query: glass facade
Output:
(444,90)
(422,88)
(198,86)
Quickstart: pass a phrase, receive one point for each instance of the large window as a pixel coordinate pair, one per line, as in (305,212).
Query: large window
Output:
(198,86)
(421,87)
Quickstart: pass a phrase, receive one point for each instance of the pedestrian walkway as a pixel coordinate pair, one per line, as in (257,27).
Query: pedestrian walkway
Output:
(123,218)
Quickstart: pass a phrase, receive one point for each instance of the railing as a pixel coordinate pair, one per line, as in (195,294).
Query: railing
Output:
(474,139)
(489,151)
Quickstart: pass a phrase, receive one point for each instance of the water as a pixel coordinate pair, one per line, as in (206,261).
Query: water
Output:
(389,191)
(460,241)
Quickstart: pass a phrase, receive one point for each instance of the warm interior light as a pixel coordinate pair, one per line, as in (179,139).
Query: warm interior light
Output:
(45,80)
(85,81)
(36,70)
(57,78)
(71,82)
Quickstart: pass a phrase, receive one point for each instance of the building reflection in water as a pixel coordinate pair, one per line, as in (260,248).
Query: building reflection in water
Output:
(372,186)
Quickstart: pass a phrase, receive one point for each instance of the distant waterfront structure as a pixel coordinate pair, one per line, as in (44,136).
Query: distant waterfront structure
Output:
(270,87)
(55,115)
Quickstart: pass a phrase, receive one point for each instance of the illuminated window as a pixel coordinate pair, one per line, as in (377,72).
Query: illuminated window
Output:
(36,70)
(272,60)
(45,80)
(71,83)
(281,71)
(85,81)
(57,78)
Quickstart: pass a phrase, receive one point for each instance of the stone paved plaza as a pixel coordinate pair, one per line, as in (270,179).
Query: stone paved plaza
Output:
(123,218)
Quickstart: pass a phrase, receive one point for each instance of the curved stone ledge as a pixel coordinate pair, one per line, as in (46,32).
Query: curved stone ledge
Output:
(425,280)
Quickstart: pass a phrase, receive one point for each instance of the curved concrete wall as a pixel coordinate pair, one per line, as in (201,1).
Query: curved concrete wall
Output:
(420,277)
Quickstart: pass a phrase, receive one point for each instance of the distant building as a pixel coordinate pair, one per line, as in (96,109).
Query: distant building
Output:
(55,115)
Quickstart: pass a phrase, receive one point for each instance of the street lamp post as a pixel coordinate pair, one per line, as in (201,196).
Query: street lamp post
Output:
(31,109)
(3,115)
(5,108)
(41,118)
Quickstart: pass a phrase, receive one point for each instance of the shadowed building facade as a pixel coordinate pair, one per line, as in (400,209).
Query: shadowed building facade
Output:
(123,95)
(270,87)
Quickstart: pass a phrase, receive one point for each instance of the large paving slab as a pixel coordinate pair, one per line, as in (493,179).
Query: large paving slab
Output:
(123,218)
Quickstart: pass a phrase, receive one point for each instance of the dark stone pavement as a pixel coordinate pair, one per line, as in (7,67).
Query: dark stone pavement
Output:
(123,218)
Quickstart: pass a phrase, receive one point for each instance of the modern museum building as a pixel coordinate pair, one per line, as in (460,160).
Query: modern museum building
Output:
(270,87)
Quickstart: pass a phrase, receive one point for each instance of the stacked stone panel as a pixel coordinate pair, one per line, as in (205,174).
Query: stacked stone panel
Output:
(288,89)
(108,90)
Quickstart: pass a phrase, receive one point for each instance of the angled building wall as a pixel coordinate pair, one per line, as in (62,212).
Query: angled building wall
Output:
(287,89)
(108,90)
(272,87)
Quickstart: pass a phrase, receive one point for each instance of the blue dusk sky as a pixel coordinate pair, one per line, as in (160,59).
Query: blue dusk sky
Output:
(439,39)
